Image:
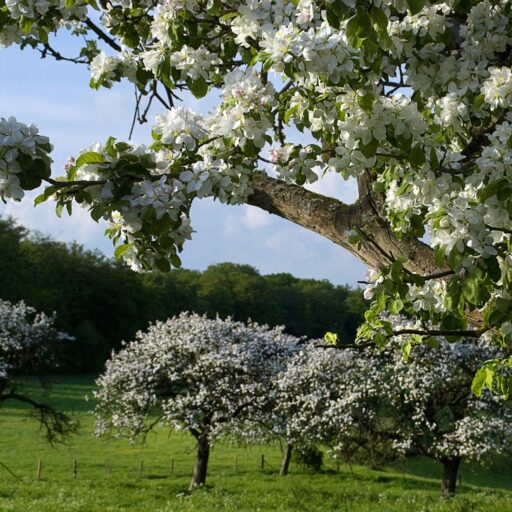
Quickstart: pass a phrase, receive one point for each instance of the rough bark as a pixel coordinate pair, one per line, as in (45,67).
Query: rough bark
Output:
(450,473)
(285,466)
(333,220)
(201,465)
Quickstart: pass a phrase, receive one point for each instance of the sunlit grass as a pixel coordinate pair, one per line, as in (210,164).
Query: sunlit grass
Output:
(109,476)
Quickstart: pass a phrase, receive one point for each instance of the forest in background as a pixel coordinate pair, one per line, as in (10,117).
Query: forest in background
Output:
(101,302)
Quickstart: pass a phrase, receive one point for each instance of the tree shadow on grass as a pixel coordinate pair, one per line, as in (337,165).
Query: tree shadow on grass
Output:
(471,476)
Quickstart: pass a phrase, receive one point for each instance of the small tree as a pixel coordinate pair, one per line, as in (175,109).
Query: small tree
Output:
(377,406)
(27,346)
(437,415)
(329,396)
(205,376)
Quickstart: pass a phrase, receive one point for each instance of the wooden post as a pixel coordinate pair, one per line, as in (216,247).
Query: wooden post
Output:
(172,466)
(262,461)
(236,463)
(141,468)
(75,468)
(39,467)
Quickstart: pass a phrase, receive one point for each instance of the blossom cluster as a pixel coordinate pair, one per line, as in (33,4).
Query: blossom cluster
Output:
(26,340)
(23,157)
(34,17)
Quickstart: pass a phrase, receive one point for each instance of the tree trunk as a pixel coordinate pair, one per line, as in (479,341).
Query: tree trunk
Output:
(449,481)
(201,466)
(286,460)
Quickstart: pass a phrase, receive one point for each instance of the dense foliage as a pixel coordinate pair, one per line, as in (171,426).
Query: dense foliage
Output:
(28,344)
(190,372)
(374,406)
(101,302)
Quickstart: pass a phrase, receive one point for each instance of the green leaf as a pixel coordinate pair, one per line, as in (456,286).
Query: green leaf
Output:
(228,16)
(97,212)
(331,338)
(332,18)
(198,87)
(175,261)
(43,35)
(341,9)
(121,249)
(415,6)
(369,149)
(89,157)
(366,102)
(289,113)
(358,29)
(483,378)
(354,237)
(432,342)
(163,264)
(26,24)
(380,23)
(417,156)
(406,350)
(395,306)
(41,198)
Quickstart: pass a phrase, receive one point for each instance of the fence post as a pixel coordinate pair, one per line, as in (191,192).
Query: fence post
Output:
(172,466)
(109,470)
(39,468)
(75,468)
(141,468)
(262,461)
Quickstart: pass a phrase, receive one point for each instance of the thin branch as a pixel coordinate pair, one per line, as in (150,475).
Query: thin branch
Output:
(102,35)
(502,230)
(48,50)
(78,183)
(438,275)
(472,333)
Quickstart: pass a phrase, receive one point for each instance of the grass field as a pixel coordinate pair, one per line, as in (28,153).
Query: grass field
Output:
(109,477)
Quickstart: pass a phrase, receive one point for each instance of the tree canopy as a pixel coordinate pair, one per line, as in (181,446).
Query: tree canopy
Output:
(409,97)
(374,406)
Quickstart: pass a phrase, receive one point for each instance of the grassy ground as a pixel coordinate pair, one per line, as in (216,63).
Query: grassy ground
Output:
(109,475)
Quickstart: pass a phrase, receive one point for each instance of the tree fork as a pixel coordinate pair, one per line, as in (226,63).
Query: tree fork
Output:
(334,219)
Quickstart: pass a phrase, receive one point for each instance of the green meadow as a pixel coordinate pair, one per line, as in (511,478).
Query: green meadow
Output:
(93,475)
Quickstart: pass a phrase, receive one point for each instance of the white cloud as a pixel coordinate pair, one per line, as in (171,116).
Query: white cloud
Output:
(255,218)
(333,185)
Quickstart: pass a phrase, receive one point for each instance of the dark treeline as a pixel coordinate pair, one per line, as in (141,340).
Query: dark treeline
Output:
(101,302)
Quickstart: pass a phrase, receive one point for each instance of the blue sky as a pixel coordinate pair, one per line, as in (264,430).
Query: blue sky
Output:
(56,97)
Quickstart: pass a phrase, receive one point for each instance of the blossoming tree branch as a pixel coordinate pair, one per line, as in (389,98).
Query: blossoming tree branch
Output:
(411,98)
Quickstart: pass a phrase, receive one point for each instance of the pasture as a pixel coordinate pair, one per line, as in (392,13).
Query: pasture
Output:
(112,475)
